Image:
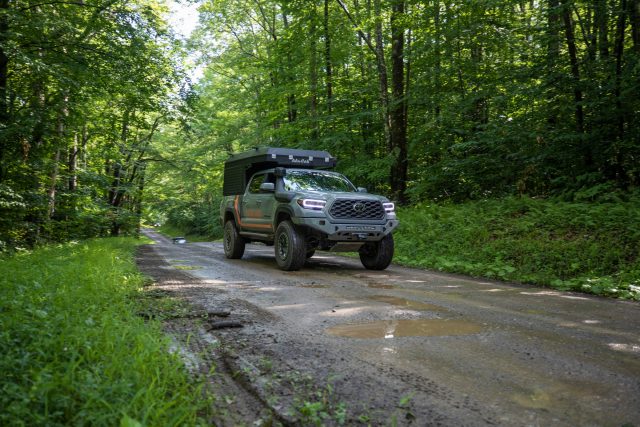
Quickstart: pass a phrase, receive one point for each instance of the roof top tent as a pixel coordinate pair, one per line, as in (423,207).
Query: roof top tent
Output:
(239,168)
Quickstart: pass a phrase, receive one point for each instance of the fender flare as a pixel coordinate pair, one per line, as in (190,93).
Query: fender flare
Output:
(278,214)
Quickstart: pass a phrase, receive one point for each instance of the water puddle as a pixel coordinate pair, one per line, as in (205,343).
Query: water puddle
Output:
(405,328)
(406,303)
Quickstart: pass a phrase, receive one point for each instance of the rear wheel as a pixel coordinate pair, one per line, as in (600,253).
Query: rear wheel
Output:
(289,247)
(233,242)
(377,255)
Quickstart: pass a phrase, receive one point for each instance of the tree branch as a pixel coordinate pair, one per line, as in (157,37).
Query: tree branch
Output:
(357,27)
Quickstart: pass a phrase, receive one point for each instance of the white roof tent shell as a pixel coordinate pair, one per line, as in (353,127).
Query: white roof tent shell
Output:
(239,168)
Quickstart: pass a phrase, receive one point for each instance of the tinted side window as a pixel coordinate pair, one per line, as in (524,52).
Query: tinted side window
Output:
(254,185)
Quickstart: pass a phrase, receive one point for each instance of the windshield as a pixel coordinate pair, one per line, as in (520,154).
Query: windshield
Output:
(316,181)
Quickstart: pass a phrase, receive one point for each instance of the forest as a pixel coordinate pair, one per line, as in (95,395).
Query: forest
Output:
(102,128)
(507,132)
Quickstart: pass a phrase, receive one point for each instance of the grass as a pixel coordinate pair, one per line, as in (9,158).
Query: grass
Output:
(586,247)
(73,351)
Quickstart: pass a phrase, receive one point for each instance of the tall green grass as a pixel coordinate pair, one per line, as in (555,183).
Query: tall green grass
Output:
(588,247)
(72,350)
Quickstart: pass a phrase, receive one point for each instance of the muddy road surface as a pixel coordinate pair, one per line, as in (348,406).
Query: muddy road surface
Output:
(337,344)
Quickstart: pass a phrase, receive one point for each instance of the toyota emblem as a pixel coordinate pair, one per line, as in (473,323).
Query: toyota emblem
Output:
(358,207)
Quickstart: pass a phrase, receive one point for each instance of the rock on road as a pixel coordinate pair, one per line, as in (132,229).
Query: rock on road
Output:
(412,347)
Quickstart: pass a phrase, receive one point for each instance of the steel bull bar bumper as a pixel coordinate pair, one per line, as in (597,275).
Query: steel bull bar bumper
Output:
(349,231)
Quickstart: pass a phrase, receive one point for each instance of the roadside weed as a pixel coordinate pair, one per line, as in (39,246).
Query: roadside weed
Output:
(73,351)
(319,406)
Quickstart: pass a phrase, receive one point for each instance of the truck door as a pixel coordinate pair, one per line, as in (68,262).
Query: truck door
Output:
(257,206)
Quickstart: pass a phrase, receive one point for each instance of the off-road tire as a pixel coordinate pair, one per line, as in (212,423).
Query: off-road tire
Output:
(377,255)
(233,243)
(310,252)
(290,247)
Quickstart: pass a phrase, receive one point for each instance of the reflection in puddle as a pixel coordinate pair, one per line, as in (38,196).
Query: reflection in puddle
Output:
(405,328)
(406,303)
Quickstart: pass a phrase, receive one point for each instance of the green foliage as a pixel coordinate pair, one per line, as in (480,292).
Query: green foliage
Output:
(185,190)
(72,351)
(85,87)
(491,94)
(593,248)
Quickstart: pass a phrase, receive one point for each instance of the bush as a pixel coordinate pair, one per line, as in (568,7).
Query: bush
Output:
(585,247)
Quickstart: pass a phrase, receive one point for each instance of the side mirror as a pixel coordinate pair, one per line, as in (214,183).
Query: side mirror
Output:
(267,187)
(362,190)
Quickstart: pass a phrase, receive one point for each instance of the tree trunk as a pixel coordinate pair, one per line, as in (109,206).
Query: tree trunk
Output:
(601,19)
(397,117)
(138,199)
(4,71)
(4,67)
(634,16)
(72,164)
(553,54)
(479,112)
(313,76)
(327,58)
(438,58)
(60,142)
(575,70)
(39,103)
(115,191)
(383,80)
(83,146)
(292,108)
(619,52)
(53,181)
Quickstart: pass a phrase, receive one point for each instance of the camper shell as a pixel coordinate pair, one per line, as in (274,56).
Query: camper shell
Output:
(239,168)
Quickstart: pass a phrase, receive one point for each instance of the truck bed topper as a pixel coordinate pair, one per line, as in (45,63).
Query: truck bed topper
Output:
(239,168)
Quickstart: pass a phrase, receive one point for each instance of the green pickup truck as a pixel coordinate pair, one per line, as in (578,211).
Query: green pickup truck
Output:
(292,200)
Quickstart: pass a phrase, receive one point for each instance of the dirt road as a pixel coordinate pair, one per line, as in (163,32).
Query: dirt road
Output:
(335,343)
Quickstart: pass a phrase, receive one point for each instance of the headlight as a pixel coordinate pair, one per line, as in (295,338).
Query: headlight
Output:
(389,207)
(313,204)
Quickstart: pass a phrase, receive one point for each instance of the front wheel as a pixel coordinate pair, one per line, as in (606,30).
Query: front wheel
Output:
(377,255)
(289,247)
(233,242)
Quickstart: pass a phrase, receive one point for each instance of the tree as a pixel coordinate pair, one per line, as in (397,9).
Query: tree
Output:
(74,76)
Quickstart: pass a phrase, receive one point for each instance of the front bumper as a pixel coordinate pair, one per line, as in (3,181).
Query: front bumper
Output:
(349,231)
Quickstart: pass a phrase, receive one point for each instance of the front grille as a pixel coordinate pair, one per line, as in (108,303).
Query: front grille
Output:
(356,209)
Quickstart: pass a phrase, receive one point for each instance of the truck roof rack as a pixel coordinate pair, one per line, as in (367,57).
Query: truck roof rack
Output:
(239,168)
